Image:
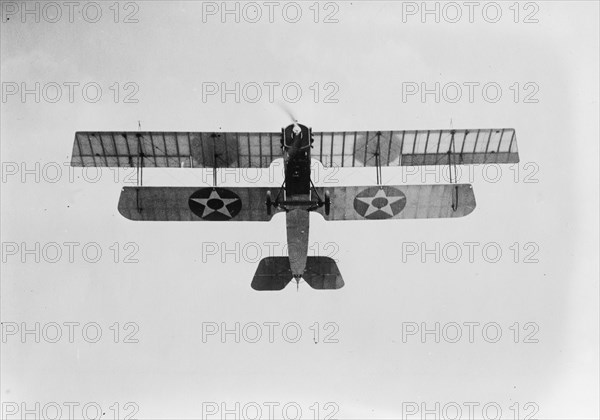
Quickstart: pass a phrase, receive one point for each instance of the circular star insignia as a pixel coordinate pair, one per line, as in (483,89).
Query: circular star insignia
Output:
(215,204)
(379,202)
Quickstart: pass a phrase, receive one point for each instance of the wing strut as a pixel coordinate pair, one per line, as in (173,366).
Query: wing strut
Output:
(140,159)
(214,136)
(139,167)
(378,160)
(451,167)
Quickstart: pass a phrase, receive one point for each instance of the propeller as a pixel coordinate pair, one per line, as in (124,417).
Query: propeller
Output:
(284,107)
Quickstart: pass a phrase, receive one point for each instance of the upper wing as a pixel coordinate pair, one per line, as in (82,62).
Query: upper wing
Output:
(194,204)
(399,202)
(176,149)
(420,147)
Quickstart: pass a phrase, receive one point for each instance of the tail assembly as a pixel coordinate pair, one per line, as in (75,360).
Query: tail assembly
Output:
(322,273)
(274,273)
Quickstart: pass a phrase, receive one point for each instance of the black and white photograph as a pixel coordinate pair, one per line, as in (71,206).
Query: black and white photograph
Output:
(300,210)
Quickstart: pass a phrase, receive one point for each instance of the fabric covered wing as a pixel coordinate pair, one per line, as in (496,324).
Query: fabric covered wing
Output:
(399,202)
(194,204)
(175,149)
(416,147)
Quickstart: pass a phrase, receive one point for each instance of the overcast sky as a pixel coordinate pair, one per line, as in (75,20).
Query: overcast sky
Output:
(365,65)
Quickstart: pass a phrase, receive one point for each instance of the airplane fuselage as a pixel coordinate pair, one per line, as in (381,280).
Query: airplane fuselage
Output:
(298,197)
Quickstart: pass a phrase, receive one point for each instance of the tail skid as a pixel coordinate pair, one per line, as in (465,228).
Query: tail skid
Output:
(274,273)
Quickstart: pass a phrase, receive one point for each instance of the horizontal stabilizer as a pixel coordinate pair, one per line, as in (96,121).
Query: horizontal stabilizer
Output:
(273,273)
(322,273)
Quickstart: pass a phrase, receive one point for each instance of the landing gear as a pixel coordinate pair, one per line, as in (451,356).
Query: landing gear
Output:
(268,202)
(310,204)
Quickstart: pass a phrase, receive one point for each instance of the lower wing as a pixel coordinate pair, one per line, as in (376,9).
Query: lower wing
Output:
(195,204)
(249,204)
(398,202)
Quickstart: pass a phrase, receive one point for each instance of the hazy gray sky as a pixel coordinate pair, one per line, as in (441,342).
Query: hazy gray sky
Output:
(179,287)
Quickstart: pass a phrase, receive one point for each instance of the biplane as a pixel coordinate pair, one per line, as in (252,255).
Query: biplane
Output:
(297,196)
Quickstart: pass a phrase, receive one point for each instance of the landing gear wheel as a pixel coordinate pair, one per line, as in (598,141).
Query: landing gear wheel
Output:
(327,203)
(268,203)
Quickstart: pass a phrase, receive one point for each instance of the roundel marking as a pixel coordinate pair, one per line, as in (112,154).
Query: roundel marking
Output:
(215,204)
(379,202)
